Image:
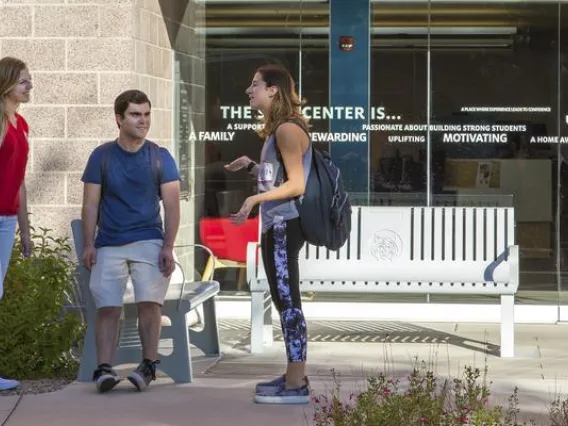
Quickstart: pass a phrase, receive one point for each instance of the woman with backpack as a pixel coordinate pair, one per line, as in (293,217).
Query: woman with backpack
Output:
(15,87)
(282,173)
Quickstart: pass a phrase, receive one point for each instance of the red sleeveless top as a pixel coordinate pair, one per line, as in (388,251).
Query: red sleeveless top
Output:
(13,160)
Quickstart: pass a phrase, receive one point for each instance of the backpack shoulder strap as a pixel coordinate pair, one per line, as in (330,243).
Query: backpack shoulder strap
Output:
(303,126)
(156,164)
(105,161)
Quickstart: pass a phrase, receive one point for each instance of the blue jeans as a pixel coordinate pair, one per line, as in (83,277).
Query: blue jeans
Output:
(7,235)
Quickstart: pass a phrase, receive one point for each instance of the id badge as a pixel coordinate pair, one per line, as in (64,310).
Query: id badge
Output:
(266,173)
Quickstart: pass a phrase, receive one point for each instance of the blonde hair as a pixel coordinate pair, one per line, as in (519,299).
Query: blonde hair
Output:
(10,69)
(286,104)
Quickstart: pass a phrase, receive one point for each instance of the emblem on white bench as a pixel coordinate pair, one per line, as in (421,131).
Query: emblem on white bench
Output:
(385,245)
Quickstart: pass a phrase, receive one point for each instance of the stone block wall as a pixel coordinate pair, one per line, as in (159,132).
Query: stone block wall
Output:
(82,54)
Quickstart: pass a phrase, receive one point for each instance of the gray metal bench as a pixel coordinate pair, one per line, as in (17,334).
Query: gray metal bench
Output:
(428,250)
(182,297)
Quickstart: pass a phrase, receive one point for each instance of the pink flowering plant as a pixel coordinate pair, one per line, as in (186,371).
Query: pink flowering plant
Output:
(422,401)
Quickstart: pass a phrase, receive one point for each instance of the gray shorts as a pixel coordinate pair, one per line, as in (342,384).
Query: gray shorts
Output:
(135,264)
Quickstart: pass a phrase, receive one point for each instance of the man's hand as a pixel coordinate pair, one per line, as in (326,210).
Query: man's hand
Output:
(166,261)
(89,256)
(26,244)
(90,213)
(238,164)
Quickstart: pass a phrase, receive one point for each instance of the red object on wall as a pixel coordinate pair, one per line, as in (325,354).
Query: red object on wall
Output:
(346,43)
(226,240)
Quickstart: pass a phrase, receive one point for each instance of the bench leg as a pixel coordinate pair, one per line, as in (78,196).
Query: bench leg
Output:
(177,365)
(261,321)
(507,326)
(88,361)
(208,338)
(88,354)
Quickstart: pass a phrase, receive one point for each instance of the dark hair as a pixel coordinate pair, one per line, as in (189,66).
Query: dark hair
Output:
(286,104)
(129,97)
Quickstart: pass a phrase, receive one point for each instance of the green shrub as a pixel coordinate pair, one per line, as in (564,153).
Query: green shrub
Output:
(422,402)
(36,333)
(558,410)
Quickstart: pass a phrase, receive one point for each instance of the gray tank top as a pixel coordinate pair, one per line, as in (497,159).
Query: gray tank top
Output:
(270,176)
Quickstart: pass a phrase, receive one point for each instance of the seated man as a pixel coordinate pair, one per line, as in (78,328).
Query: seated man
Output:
(123,183)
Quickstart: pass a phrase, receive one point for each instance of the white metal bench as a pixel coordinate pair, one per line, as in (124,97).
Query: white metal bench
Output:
(430,250)
(183,296)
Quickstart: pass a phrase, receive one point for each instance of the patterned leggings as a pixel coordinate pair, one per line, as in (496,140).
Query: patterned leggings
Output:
(280,247)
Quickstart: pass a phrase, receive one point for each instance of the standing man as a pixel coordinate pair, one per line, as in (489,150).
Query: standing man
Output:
(123,183)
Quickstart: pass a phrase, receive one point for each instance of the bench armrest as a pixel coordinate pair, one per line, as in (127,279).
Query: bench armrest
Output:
(252,249)
(183,280)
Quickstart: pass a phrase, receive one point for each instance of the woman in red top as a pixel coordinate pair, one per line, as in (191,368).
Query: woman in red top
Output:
(15,86)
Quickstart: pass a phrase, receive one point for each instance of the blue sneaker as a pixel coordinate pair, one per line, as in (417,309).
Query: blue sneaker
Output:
(274,385)
(271,386)
(7,384)
(284,396)
(105,378)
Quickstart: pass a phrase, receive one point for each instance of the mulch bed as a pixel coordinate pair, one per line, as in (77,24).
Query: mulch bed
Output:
(37,386)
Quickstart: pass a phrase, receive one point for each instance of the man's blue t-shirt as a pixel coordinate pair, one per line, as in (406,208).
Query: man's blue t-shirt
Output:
(130,204)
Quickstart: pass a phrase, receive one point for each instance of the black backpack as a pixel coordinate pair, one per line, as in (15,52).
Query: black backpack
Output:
(325,210)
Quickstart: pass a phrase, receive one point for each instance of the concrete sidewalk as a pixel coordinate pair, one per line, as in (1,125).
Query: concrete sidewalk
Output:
(207,402)
(222,391)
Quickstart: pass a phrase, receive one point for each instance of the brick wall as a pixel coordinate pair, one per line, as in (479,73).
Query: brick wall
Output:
(82,54)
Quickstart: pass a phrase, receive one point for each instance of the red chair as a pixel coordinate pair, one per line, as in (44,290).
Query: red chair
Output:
(228,242)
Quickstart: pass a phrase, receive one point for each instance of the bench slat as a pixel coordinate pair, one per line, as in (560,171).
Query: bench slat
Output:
(491,235)
(480,234)
(438,231)
(501,232)
(469,235)
(416,231)
(449,222)
(428,234)
(355,248)
(459,239)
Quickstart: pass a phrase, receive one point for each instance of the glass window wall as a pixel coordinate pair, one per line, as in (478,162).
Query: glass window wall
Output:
(464,104)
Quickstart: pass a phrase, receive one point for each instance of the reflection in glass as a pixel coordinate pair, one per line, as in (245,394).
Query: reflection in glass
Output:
(494,95)
(488,76)
(398,151)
